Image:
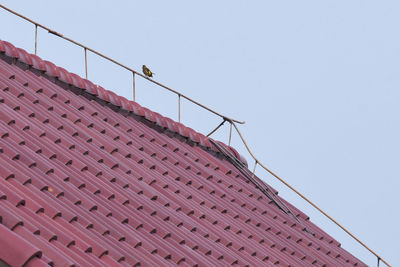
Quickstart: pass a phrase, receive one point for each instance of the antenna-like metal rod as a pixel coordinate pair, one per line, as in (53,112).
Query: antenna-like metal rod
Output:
(179,108)
(35,39)
(86,72)
(134,86)
(230,134)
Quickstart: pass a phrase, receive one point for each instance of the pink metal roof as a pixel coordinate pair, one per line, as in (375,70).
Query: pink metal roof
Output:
(89,178)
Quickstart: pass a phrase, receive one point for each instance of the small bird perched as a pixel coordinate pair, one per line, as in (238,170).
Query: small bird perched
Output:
(147,71)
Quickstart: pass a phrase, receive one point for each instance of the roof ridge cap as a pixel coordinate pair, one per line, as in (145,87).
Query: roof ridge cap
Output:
(52,70)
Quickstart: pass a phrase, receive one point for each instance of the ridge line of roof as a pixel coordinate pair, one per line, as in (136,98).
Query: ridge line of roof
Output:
(51,70)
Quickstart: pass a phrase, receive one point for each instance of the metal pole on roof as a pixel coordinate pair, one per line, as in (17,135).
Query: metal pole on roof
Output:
(255,166)
(230,134)
(216,128)
(179,107)
(134,86)
(36,39)
(86,63)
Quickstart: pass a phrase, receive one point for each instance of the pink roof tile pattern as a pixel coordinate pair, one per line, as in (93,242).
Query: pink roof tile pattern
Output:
(88,178)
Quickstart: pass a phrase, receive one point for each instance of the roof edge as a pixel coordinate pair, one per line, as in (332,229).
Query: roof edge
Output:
(51,70)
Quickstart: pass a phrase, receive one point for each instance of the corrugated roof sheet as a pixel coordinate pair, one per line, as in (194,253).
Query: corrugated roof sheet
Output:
(90,178)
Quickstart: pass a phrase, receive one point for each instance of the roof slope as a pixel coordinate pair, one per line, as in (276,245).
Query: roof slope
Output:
(90,178)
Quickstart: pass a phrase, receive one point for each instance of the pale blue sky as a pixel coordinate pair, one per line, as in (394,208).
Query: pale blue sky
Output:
(317,83)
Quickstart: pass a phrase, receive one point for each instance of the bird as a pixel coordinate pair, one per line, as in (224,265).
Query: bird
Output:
(147,71)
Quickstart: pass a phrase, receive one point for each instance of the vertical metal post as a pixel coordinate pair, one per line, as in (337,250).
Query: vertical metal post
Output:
(179,107)
(134,86)
(378,261)
(230,134)
(35,39)
(86,63)
(254,170)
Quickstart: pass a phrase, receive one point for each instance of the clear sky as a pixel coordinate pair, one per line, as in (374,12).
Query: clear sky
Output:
(317,83)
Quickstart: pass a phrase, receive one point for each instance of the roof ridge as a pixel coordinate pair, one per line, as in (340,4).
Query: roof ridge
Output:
(54,71)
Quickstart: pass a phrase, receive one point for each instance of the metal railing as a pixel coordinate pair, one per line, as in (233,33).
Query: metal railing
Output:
(257,162)
(134,72)
(232,122)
